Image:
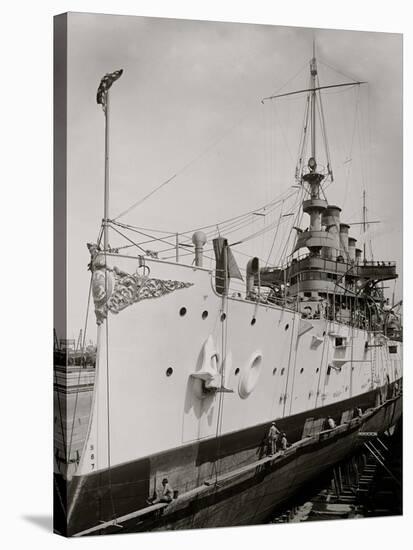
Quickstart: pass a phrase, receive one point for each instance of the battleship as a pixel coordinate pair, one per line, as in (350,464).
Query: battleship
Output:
(194,363)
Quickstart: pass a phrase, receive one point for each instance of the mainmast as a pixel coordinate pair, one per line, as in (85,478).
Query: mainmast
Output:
(314,206)
(364,225)
(313,71)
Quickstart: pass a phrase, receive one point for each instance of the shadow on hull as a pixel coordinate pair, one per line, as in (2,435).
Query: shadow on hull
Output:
(247,495)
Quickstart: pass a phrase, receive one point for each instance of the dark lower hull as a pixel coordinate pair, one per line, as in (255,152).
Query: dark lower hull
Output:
(248,488)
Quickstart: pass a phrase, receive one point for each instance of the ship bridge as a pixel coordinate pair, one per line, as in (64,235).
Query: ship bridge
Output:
(315,273)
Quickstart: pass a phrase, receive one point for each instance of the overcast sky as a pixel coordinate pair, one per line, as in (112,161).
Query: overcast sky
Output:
(191,93)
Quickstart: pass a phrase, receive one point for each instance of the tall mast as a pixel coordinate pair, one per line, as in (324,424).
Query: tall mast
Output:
(313,71)
(364,226)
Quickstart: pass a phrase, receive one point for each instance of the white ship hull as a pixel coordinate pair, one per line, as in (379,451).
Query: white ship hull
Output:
(148,422)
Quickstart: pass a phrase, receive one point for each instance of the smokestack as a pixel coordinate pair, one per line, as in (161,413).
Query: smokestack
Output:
(344,239)
(358,255)
(352,249)
(331,219)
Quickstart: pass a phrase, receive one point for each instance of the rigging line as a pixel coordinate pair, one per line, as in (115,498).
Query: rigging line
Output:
(221,393)
(320,109)
(188,234)
(238,226)
(153,239)
(274,202)
(139,228)
(289,361)
(100,235)
(186,166)
(230,228)
(362,149)
(127,238)
(108,410)
(347,179)
(283,248)
(291,79)
(274,239)
(235,251)
(81,363)
(284,255)
(233,224)
(326,339)
(303,140)
(238,223)
(286,140)
(256,234)
(61,416)
(323,62)
(106,322)
(296,222)
(190,253)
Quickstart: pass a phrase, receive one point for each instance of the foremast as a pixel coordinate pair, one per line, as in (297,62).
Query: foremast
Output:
(334,279)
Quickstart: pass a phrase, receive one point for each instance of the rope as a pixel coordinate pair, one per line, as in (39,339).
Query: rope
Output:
(81,363)
(78,381)
(127,238)
(185,167)
(153,239)
(108,397)
(290,80)
(326,339)
(350,77)
(275,236)
(220,415)
(289,362)
(61,416)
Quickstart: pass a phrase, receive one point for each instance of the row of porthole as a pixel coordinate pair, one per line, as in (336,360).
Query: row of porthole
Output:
(204,315)
(169,371)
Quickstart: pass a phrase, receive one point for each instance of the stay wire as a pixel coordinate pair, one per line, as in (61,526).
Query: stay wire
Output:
(186,166)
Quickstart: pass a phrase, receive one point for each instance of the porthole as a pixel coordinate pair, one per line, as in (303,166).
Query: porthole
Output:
(204,314)
(324,333)
(286,326)
(236,371)
(301,371)
(317,369)
(253,321)
(274,370)
(182,311)
(169,371)
(223,316)
(282,371)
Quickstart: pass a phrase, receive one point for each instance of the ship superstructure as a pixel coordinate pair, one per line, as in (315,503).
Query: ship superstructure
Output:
(190,373)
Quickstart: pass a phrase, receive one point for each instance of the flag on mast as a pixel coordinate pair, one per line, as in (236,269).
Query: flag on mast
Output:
(104,86)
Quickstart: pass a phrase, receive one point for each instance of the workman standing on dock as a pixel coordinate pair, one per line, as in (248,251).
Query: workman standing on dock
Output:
(273,434)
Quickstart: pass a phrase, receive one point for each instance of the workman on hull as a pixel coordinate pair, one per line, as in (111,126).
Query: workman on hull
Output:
(273,434)
(165,494)
(331,423)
